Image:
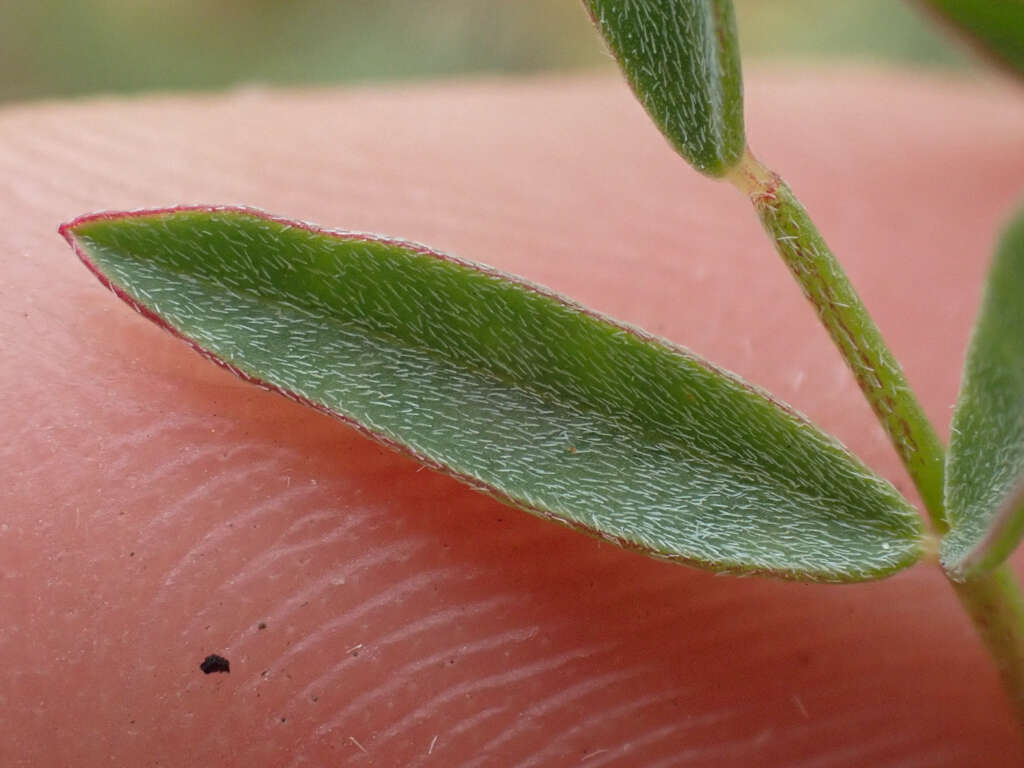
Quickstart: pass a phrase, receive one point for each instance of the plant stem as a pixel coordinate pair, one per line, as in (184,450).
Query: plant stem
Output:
(847,320)
(994,602)
(992,599)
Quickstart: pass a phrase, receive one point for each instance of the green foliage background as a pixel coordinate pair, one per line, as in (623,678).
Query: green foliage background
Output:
(54,48)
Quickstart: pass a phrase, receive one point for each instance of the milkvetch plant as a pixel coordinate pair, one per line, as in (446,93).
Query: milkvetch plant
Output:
(575,417)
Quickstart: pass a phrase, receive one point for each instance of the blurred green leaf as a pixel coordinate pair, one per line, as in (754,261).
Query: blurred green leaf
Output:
(994,27)
(512,389)
(985,466)
(682,59)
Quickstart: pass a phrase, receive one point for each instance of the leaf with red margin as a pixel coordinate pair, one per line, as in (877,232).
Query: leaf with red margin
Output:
(511,388)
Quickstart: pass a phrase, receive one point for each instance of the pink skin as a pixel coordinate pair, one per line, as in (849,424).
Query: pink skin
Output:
(156,509)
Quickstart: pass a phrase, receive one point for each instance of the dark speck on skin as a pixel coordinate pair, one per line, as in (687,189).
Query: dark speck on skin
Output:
(215,663)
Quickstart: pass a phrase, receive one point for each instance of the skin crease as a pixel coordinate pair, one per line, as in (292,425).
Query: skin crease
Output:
(156,510)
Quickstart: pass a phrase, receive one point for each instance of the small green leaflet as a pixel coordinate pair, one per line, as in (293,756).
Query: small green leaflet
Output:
(682,59)
(985,465)
(511,388)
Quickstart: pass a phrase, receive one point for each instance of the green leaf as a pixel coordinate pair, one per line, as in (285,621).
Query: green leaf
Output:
(682,59)
(994,27)
(985,465)
(514,390)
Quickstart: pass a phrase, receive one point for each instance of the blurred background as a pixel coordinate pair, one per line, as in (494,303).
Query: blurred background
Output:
(57,48)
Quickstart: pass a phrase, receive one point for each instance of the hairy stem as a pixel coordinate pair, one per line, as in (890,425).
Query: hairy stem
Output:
(995,604)
(993,600)
(847,320)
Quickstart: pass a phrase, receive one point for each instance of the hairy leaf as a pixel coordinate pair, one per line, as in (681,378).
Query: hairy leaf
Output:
(994,27)
(511,388)
(985,466)
(682,59)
